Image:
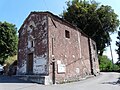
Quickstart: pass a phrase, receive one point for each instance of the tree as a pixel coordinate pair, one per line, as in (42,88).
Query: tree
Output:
(98,22)
(8,40)
(106,64)
(118,45)
(118,50)
(118,64)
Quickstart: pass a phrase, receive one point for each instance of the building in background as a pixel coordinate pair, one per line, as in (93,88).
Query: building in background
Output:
(51,50)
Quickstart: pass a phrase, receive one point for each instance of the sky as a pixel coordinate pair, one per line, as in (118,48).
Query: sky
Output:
(115,4)
(16,11)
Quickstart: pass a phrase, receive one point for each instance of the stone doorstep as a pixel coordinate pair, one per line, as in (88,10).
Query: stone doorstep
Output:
(45,80)
(40,79)
(32,78)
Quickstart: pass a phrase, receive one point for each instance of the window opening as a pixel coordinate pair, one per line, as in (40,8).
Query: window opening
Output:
(67,34)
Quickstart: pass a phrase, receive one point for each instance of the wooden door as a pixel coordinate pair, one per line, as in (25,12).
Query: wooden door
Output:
(30,64)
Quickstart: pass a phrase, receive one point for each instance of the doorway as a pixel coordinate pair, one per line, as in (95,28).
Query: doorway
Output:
(30,64)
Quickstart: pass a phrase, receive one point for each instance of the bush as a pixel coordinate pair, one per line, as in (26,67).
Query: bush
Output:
(106,64)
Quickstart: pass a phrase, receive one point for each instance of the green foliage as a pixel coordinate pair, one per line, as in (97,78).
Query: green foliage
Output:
(106,64)
(118,45)
(94,20)
(118,50)
(116,67)
(8,40)
(10,59)
(118,64)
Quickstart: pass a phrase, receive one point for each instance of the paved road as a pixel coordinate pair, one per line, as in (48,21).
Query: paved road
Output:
(105,81)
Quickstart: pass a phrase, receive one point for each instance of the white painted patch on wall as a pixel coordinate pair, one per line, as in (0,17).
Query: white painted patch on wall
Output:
(77,70)
(44,41)
(22,70)
(29,29)
(61,68)
(19,50)
(58,62)
(32,23)
(48,81)
(39,65)
(40,61)
(73,56)
(29,44)
(65,55)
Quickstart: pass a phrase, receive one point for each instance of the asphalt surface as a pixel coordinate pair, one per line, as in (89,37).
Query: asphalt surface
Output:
(105,81)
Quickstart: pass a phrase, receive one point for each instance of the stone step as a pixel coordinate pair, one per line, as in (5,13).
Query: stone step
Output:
(40,79)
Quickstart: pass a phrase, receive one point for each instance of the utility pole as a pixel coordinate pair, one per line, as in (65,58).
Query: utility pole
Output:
(111,55)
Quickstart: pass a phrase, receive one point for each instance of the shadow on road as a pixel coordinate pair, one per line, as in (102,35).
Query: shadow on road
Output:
(113,83)
(11,79)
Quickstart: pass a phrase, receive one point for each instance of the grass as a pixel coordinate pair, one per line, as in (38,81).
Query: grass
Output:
(10,60)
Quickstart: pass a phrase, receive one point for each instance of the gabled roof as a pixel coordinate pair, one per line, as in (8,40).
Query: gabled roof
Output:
(55,17)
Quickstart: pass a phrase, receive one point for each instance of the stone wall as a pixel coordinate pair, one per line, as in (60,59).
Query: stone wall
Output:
(54,41)
(94,57)
(71,54)
(33,39)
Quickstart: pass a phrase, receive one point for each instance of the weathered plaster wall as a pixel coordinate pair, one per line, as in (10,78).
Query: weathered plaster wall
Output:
(22,50)
(94,57)
(44,35)
(85,55)
(33,39)
(41,45)
(22,69)
(67,51)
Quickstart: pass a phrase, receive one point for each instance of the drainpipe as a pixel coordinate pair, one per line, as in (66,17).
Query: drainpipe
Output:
(53,62)
(53,67)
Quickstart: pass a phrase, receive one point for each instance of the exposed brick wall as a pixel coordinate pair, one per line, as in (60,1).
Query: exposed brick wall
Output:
(55,39)
(22,45)
(85,55)
(34,29)
(94,57)
(73,52)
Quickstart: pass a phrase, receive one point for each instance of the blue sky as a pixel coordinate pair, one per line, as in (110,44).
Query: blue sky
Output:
(15,11)
(115,4)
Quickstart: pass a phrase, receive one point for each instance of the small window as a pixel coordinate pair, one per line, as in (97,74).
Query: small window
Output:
(67,34)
